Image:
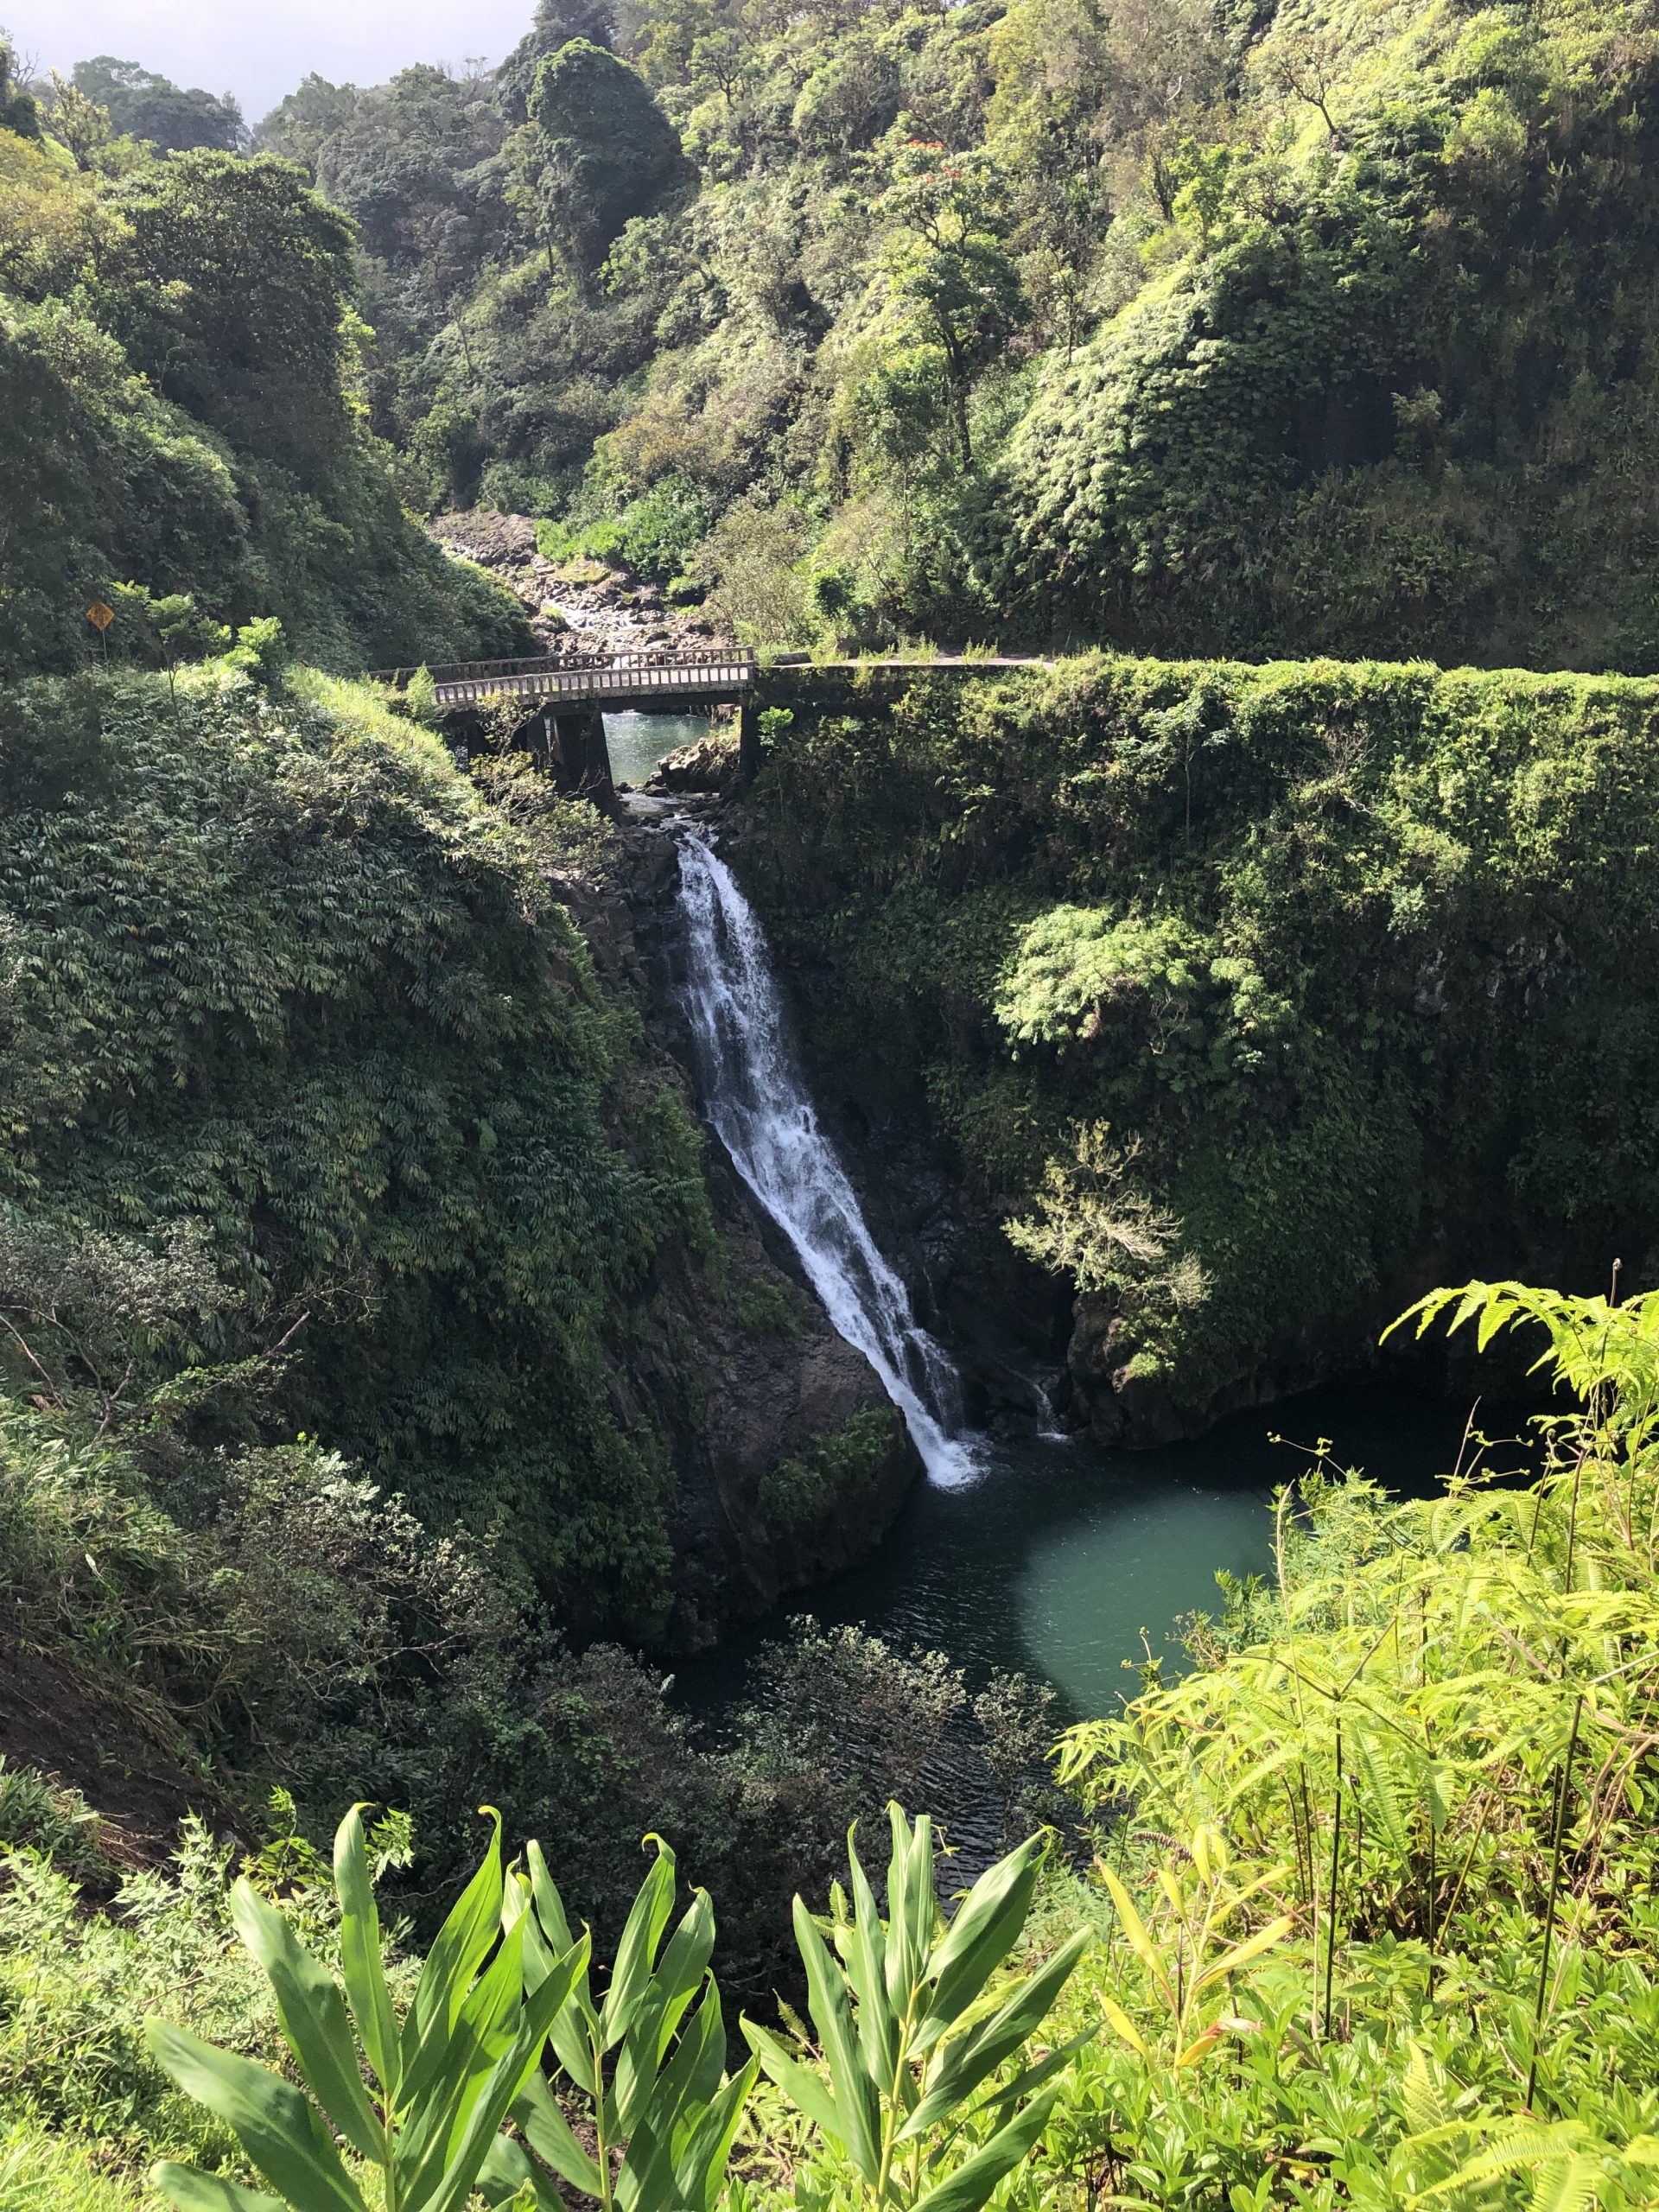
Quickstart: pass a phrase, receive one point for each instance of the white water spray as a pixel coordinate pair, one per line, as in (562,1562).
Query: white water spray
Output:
(757,1099)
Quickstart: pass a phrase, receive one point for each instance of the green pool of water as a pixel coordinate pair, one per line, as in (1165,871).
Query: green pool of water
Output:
(637,743)
(1069,1563)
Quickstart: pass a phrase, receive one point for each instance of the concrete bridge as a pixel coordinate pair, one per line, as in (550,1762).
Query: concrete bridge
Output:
(668,683)
(565,696)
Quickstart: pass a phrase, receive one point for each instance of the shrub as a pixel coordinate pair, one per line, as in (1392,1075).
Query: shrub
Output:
(835,1474)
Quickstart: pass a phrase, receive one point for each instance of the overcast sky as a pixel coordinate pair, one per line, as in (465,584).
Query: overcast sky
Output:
(260,49)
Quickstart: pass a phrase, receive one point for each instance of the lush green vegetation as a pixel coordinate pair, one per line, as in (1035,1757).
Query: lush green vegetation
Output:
(1293,328)
(845,1467)
(1246,994)
(283,984)
(180,404)
(1371,1921)
(358,1276)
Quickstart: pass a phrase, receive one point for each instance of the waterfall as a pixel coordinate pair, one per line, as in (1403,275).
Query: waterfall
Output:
(755,1094)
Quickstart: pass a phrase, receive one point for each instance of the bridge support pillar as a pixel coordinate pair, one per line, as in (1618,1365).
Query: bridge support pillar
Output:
(748,739)
(583,758)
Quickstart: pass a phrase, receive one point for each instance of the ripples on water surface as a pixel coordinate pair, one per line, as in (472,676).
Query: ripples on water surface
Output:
(1058,1557)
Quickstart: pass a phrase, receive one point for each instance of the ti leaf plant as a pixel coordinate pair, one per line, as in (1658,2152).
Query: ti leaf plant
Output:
(426,2100)
(670,2103)
(914,2034)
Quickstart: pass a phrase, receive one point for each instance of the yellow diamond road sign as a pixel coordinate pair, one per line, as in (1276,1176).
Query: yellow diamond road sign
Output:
(100,616)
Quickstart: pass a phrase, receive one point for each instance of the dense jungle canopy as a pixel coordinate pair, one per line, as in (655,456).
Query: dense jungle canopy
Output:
(1176,325)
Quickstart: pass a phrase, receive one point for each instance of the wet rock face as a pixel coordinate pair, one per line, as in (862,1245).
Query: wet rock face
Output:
(736,1364)
(576,606)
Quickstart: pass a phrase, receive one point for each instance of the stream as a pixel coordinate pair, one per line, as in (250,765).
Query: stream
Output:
(637,743)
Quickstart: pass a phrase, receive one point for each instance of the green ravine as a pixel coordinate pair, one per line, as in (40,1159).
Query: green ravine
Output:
(395,1380)
(280,972)
(1379,1930)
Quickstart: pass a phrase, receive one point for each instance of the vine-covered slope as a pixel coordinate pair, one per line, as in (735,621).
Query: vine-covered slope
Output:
(1253,997)
(287,992)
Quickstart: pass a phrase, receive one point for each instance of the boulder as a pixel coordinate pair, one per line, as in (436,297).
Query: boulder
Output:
(710,765)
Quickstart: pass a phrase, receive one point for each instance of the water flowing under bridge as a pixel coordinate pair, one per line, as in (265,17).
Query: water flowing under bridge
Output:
(563,697)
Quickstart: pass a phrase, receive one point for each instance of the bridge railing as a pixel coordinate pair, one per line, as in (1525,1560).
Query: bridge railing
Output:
(461,671)
(631,676)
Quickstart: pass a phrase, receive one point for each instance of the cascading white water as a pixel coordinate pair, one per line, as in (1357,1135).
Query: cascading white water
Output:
(757,1098)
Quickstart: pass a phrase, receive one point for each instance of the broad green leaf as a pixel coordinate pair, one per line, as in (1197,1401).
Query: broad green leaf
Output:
(806,2090)
(967,2063)
(640,1936)
(360,1953)
(274,2124)
(878,2029)
(968,2188)
(502,2090)
(458,1950)
(660,2009)
(576,2029)
(684,2086)
(832,2017)
(194,2192)
(312,2017)
(1003,2096)
(699,2168)
(986,1927)
(903,1955)
(678,1975)
(550,1905)
(451,2066)
(921,1900)
(681,2093)
(552,2138)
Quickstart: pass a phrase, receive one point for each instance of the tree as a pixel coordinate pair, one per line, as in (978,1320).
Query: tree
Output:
(414,163)
(17,110)
(77,121)
(1308,62)
(163,631)
(303,122)
(947,261)
(152,107)
(252,272)
(608,152)
(557,21)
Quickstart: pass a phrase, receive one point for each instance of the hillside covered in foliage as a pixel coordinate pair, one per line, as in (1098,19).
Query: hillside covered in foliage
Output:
(1252,998)
(181,408)
(390,1370)
(320,1116)
(1196,328)
(1370,1921)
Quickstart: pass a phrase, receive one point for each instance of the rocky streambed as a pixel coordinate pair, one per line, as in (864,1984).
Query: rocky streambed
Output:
(582,605)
